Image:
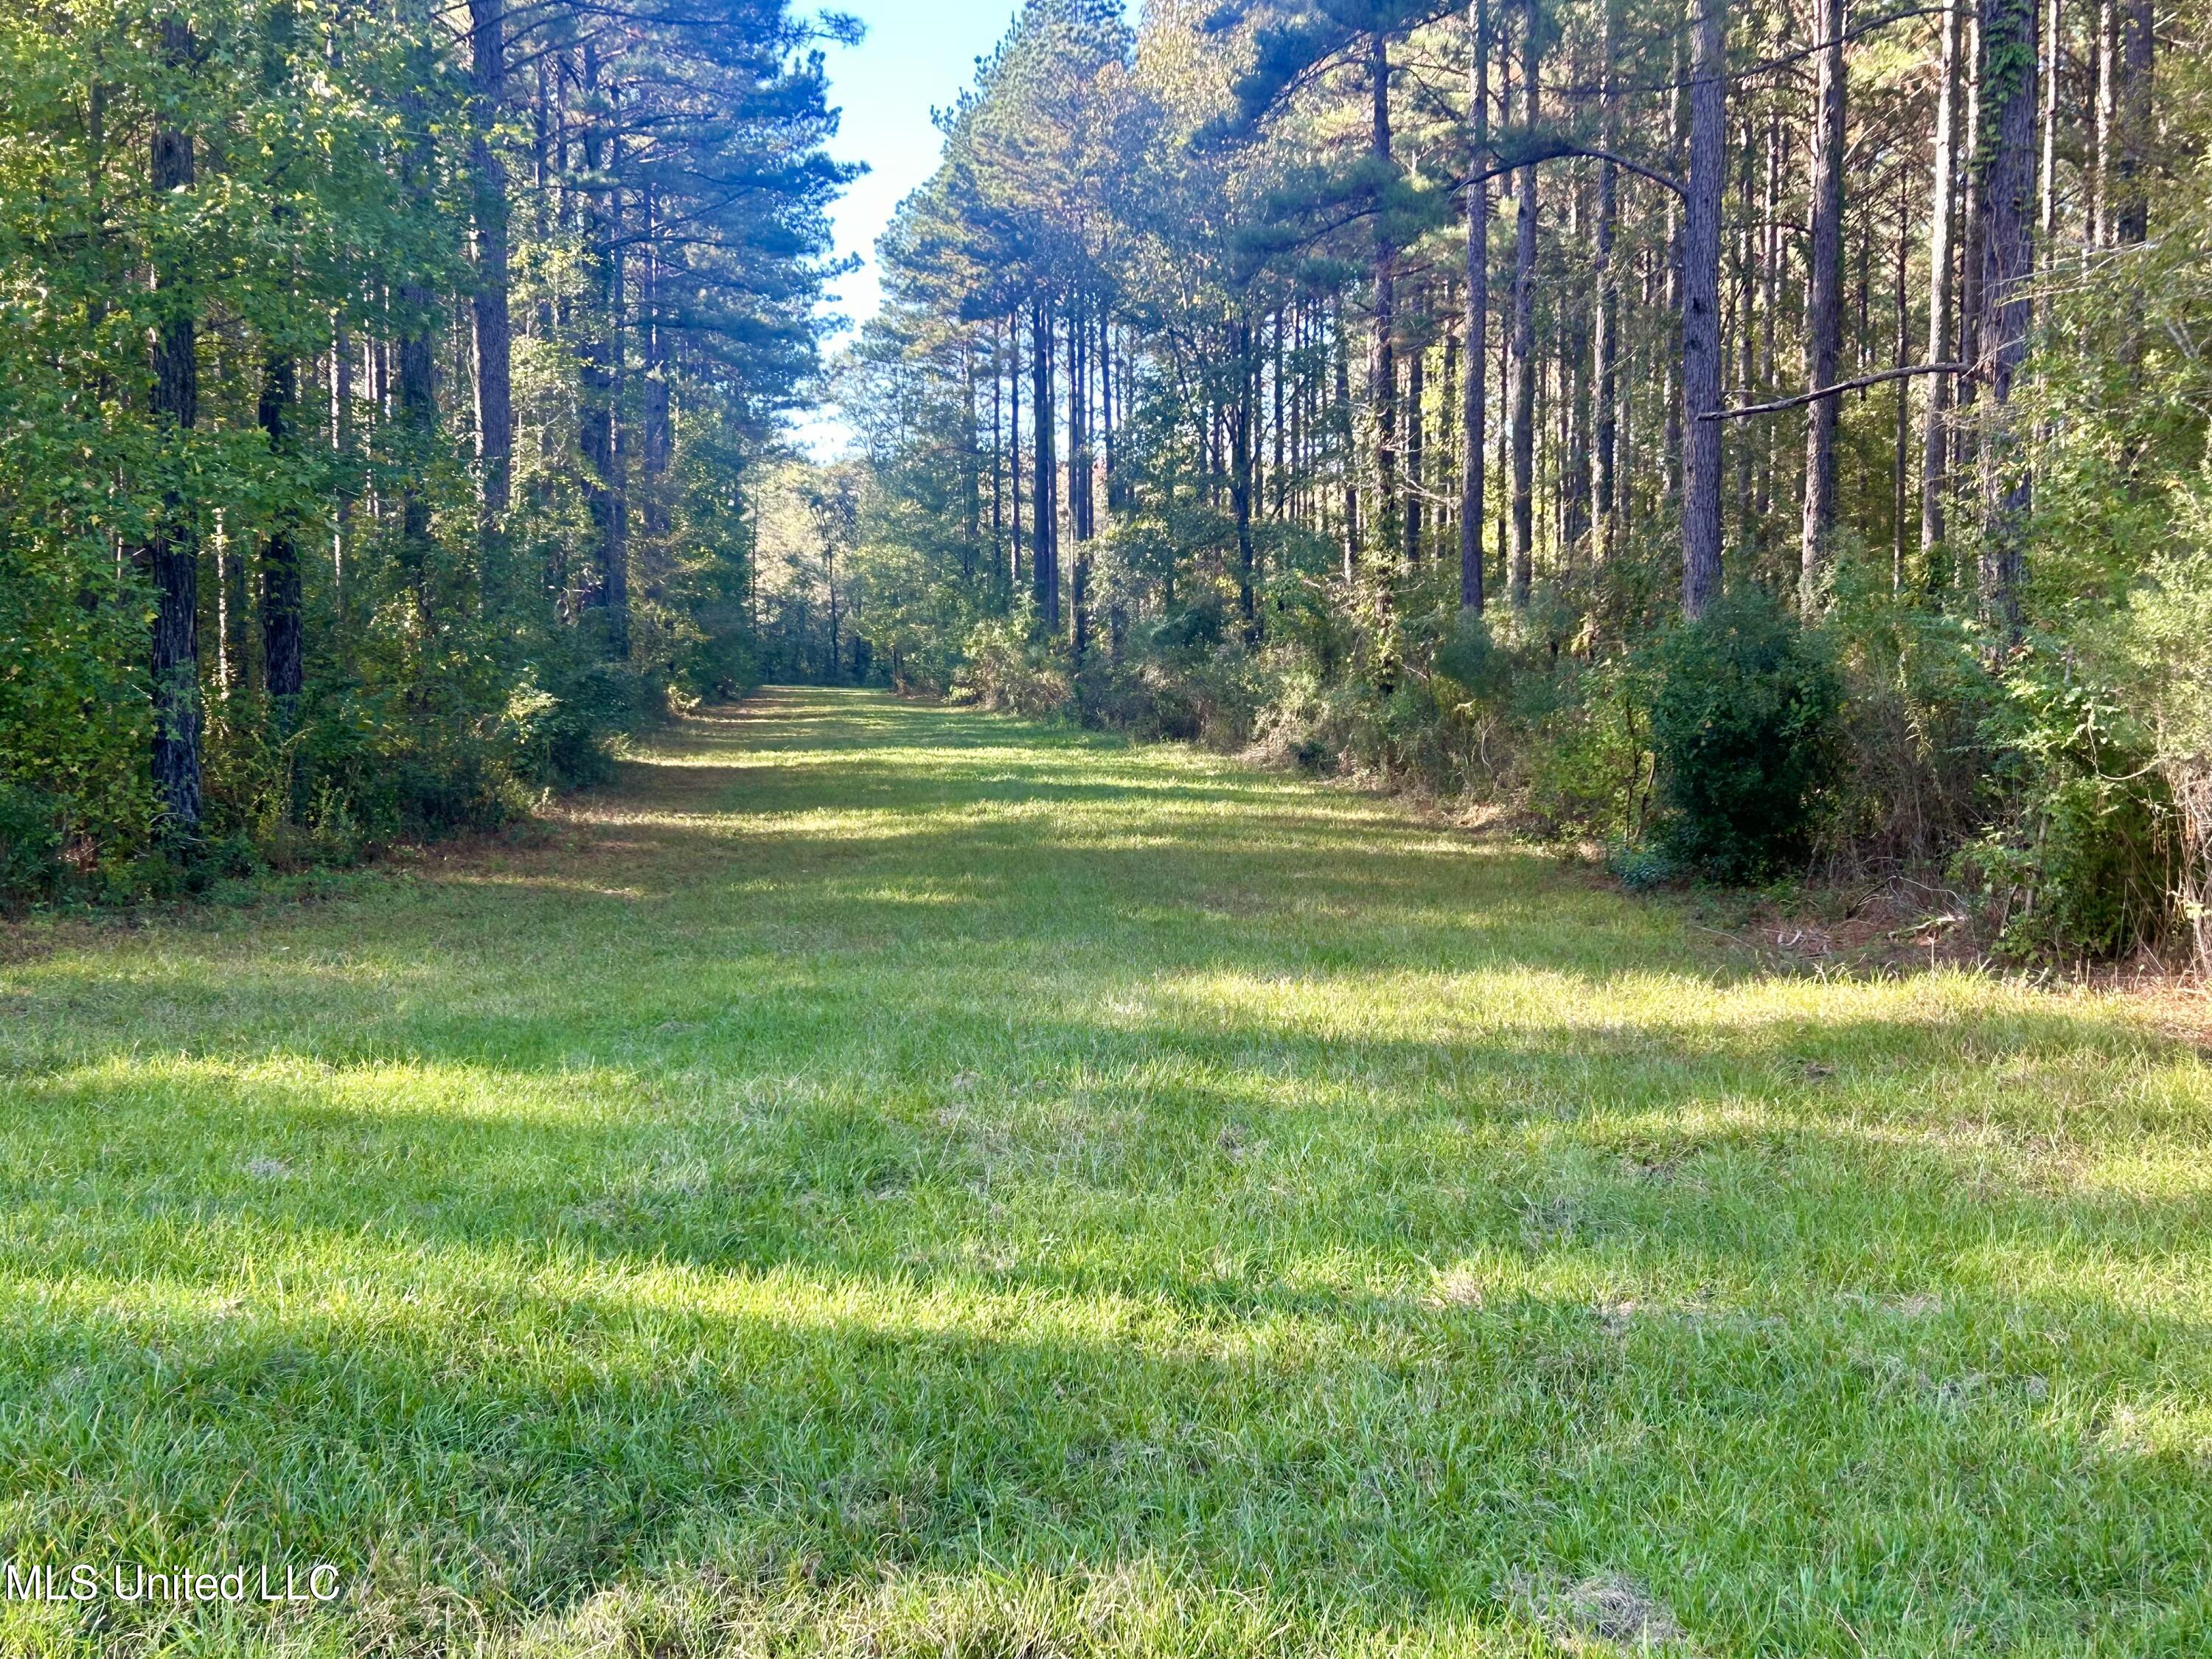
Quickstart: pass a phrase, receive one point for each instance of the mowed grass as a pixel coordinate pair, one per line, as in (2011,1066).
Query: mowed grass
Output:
(891,1180)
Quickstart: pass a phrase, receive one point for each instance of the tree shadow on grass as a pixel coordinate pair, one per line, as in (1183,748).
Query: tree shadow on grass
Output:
(1262,1231)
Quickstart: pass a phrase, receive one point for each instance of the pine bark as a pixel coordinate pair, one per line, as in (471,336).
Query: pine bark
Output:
(495,382)
(1521,417)
(1824,312)
(1701,342)
(1416,443)
(1934,431)
(2131,209)
(1044,530)
(281,623)
(2006,157)
(1606,346)
(172,552)
(1381,363)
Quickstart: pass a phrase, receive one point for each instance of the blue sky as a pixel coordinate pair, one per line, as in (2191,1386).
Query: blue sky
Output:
(917,54)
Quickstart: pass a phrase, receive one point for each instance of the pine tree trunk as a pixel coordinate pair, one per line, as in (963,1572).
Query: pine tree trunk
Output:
(2106,135)
(1382,363)
(1575,395)
(172,552)
(656,391)
(1014,450)
(415,416)
(494,388)
(1044,531)
(1935,432)
(2131,209)
(1240,481)
(1607,345)
(1343,423)
(598,433)
(1416,438)
(1521,417)
(1079,479)
(971,466)
(2008,206)
(1701,281)
(281,627)
(998,452)
(1824,312)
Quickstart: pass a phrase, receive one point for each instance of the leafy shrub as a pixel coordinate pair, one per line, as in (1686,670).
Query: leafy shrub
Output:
(1009,668)
(561,738)
(1473,660)
(1745,726)
(1921,728)
(1640,866)
(1589,761)
(2084,865)
(31,832)
(1188,676)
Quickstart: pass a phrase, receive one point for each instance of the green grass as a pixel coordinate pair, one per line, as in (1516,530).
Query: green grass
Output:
(891,1180)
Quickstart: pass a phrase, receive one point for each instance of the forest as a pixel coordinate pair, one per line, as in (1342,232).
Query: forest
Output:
(1749,443)
(1757,441)
(379,388)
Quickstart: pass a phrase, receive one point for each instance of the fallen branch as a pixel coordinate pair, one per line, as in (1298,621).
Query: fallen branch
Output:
(1860,384)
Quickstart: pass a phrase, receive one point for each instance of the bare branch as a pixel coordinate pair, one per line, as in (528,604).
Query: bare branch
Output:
(1860,384)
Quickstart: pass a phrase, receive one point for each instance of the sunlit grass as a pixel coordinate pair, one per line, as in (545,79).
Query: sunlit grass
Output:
(890,1181)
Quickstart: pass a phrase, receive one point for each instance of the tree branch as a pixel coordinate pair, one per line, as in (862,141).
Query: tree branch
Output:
(1859,385)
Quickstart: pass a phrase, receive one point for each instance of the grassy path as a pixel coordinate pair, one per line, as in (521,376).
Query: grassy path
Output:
(891,1180)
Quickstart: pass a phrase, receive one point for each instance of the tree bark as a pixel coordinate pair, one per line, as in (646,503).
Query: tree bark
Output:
(599,426)
(1343,423)
(2007,156)
(1520,416)
(1078,478)
(1574,394)
(1935,432)
(1044,530)
(416,416)
(1014,450)
(281,624)
(495,385)
(1701,281)
(998,453)
(2131,209)
(1607,345)
(1475,410)
(1823,322)
(1416,394)
(172,553)
(656,391)
(1240,482)
(1381,363)
(2106,136)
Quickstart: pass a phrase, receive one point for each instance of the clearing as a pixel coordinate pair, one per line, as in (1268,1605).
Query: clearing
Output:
(889,1179)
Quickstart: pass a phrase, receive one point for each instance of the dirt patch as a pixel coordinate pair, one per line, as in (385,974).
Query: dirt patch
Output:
(1607,1606)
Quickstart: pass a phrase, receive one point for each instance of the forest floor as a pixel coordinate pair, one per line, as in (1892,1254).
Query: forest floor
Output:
(888,1180)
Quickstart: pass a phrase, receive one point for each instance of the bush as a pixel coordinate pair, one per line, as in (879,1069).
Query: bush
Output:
(31,839)
(1009,668)
(2085,863)
(1589,765)
(1746,728)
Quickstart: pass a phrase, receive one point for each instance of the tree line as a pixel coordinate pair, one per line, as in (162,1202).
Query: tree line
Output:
(381,381)
(1384,381)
